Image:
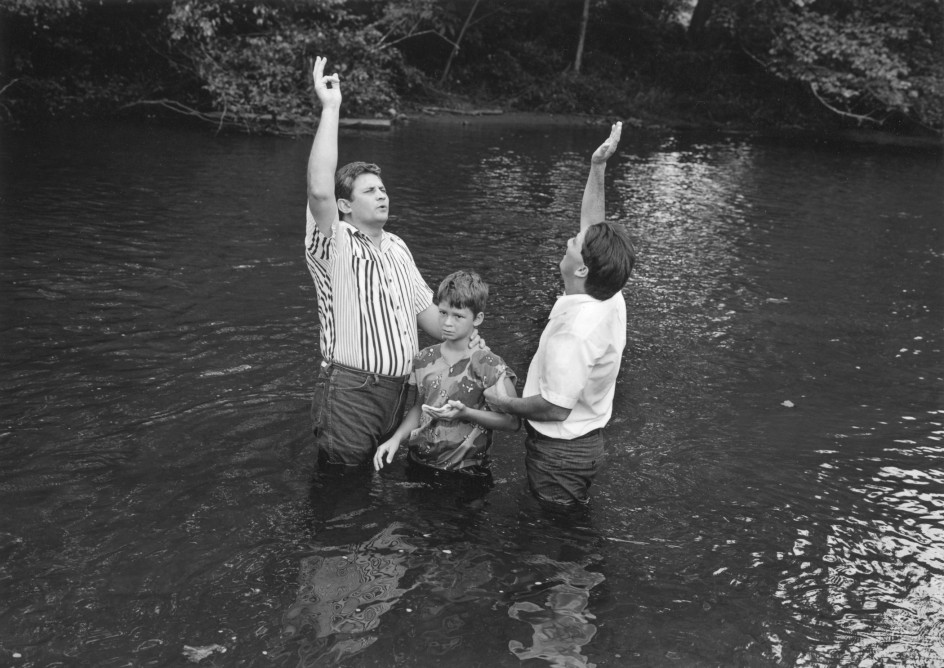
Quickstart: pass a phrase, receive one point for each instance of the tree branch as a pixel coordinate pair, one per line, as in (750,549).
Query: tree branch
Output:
(858,117)
(2,90)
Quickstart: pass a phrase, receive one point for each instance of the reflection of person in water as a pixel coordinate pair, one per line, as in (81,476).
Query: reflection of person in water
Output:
(561,626)
(344,595)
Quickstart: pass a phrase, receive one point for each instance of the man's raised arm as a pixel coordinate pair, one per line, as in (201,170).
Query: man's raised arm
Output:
(593,209)
(323,160)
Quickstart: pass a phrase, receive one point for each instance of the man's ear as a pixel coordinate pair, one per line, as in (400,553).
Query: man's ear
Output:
(581,271)
(479,317)
(344,206)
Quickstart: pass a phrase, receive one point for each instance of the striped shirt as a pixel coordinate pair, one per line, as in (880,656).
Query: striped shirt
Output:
(368,298)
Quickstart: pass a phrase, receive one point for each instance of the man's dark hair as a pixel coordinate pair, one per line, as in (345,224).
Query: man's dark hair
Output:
(609,257)
(463,289)
(344,177)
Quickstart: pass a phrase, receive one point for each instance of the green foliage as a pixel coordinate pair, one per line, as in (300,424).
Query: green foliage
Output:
(862,59)
(67,57)
(253,60)
(41,10)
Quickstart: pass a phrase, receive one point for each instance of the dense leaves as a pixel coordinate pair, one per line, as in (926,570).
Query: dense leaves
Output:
(744,61)
(863,59)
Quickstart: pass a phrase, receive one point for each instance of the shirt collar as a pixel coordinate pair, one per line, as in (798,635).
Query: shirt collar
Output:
(567,303)
(384,235)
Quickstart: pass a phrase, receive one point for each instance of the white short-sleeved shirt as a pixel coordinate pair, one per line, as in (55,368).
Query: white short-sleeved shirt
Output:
(577,363)
(368,298)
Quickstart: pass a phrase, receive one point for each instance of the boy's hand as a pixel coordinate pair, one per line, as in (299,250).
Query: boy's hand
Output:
(388,448)
(451,410)
(608,148)
(327,88)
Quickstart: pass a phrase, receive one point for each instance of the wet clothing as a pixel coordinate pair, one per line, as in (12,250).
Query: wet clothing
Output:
(368,300)
(575,366)
(353,412)
(561,471)
(577,362)
(453,444)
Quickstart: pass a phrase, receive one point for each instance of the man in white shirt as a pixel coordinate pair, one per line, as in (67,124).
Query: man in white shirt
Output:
(568,396)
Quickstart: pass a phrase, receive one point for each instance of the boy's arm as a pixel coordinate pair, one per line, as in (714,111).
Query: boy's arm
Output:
(593,208)
(456,410)
(389,447)
(323,160)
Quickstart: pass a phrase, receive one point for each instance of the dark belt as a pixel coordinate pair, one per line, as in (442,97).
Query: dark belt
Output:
(367,374)
(534,433)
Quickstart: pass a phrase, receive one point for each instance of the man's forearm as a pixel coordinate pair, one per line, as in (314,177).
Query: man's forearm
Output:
(535,408)
(593,207)
(323,160)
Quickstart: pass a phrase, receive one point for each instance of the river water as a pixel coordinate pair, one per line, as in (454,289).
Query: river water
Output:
(773,493)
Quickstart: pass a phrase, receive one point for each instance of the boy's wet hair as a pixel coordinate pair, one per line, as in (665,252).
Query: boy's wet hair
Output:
(609,257)
(463,289)
(345,176)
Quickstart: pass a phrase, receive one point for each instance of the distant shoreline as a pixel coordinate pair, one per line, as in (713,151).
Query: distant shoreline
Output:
(533,118)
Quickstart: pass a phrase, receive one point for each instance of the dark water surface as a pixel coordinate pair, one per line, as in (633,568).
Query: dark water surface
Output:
(774,488)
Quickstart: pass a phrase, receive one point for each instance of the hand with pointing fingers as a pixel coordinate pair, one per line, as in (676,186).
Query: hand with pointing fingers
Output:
(327,87)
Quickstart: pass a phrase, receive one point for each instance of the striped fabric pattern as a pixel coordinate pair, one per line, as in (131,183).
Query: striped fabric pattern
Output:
(368,298)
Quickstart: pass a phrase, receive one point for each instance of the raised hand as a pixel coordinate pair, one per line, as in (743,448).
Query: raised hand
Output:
(608,148)
(327,88)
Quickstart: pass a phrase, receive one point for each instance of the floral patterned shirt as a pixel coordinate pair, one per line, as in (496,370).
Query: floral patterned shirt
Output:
(453,444)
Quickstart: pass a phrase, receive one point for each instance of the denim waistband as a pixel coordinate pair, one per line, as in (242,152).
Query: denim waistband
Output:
(534,433)
(370,374)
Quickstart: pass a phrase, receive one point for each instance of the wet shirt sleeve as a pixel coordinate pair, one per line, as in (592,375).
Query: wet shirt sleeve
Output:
(568,362)
(318,247)
(489,367)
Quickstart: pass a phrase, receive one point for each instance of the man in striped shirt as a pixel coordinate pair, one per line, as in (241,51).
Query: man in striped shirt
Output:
(371,297)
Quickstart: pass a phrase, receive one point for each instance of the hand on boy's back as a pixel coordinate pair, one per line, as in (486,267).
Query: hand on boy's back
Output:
(477,342)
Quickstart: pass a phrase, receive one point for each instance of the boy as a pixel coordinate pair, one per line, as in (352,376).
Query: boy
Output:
(450,426)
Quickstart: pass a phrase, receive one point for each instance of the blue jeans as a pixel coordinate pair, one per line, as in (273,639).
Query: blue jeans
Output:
(353,412)
(560,471)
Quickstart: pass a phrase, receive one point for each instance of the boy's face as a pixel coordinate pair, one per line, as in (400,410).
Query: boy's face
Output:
(457,323)
(369,202)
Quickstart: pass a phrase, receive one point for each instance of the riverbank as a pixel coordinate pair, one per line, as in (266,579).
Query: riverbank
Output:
(465,115)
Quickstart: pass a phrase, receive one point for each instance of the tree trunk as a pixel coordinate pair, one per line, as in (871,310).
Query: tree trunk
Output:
(700,16)
(455,45)
(584,19)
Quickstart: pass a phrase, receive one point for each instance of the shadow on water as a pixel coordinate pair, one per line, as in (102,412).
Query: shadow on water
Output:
(773,488)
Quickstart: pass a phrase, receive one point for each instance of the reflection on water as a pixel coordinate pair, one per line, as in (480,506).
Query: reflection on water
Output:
(878,571)
(774,484)
(562,624)
(345,595)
